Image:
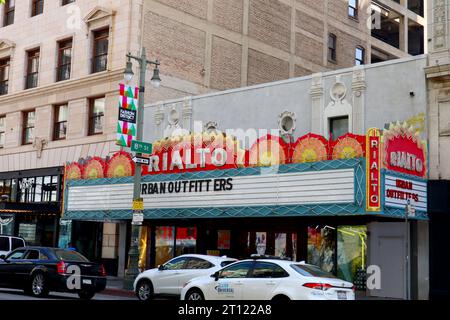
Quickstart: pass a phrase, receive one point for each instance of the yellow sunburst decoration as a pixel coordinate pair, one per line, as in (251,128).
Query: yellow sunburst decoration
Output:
(310,148)
(348,147)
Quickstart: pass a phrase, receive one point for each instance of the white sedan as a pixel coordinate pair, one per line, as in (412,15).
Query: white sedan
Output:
(169,278)
(268,279)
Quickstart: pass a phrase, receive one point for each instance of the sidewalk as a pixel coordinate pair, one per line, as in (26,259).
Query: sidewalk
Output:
(361,295)
(114,287)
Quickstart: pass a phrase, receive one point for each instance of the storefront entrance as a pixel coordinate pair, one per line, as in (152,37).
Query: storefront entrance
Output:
(340,249)
(86,238)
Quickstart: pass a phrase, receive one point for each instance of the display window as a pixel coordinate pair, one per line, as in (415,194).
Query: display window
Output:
(164,244)
(174,241)
(280,244)
(261,243)
(223,239)
(352,254)
(186,240)
(322,247)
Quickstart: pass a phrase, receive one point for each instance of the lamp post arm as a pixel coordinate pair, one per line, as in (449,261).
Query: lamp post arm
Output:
(139,59)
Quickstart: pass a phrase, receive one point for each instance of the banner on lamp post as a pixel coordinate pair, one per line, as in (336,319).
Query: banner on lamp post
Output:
(127,122)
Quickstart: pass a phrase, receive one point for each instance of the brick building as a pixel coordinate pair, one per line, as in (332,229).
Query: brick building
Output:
(438,80)
(61,62)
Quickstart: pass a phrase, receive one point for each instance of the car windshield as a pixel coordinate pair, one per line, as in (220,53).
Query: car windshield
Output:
(311,271)
(70,256)
(226,262)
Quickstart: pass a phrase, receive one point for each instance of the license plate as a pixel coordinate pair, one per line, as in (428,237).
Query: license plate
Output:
(342,295)
(87,281)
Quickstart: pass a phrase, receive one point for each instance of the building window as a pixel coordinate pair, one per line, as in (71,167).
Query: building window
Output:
(60,124)
(64,2)
(37,7)
(100,52)
(332,47)
(338,127)
(2,131)
(32,69)
(96,114)
(38,189)
(360,56)
(28,127)
(64,60)
(10,8)
(4,76)
(5,190)
(353,8)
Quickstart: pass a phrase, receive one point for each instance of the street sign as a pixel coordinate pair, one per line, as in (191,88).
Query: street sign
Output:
(142,160)
(138,218)
(141,147)
(138,205)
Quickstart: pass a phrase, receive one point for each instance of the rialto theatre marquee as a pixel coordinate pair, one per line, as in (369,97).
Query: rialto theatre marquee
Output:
(314,199)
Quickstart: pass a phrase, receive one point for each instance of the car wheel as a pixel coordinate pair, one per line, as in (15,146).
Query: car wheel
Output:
(86,295)
(281,298)
(38,285)
(195,294)
(144,290)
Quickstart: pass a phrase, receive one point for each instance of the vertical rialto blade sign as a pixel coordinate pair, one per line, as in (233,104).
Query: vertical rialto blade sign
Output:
(373,170)
(128,104)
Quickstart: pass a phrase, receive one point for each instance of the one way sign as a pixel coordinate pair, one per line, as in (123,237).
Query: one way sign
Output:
(142,160)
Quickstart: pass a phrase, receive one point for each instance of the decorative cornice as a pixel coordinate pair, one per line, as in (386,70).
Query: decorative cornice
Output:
(71,84)
(437,71)
(359,79)
(98,13)
(316,85)
(6,44)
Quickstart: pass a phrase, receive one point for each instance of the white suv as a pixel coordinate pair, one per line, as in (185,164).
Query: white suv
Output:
(268,279)
(9,243)
(169,278)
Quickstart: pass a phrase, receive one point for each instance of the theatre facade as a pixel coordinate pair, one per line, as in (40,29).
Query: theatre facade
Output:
(330,185)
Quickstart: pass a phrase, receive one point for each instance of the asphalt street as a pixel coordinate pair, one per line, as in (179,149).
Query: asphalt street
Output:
(7,294)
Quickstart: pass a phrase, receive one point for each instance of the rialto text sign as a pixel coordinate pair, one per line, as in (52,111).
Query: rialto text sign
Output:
(404,151)
(373,150)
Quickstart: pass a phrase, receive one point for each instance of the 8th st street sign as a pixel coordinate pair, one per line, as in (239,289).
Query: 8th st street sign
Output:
(141,147)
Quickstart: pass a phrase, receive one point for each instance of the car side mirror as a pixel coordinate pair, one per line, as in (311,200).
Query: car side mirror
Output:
(2,257)
(161,267)
(215,276)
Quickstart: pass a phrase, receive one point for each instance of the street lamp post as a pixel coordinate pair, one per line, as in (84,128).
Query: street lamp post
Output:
(407,249)
(133,254)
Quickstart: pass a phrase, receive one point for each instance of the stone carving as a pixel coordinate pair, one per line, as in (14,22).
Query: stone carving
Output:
(287,122)
(211,126)
(159,115)
(174,128)
(338,106)
(440,23)
(38,145)
(187,111)
(338,92)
